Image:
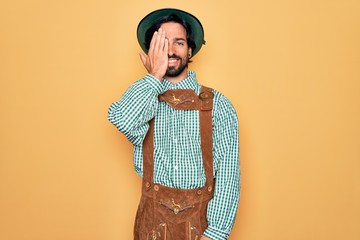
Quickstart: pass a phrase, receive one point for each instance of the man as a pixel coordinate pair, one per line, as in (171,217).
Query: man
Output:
(185,137)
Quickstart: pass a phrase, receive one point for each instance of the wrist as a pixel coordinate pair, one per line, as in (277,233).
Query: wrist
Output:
(157,75)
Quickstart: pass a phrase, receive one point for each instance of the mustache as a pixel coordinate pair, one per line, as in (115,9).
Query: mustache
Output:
(174,56)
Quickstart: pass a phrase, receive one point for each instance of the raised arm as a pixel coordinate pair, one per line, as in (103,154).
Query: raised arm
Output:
(135,108)
(139,103)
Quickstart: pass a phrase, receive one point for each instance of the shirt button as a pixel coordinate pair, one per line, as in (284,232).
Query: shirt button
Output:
(199,192)
(156,188)
(209,188)
(147,184)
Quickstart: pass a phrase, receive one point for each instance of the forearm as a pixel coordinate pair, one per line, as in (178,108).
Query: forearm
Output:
(135,108)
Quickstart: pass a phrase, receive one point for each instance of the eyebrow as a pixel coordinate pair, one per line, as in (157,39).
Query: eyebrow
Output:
(180,39)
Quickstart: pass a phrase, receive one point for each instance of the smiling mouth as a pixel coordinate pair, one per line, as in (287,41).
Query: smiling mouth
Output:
(173,60)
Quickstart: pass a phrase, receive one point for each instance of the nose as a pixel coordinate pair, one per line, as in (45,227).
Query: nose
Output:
(170,49)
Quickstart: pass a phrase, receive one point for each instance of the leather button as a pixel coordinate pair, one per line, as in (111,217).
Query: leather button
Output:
(156,188)
(209,188)
(147,184)
(206,95)
(199,192)
(176,210)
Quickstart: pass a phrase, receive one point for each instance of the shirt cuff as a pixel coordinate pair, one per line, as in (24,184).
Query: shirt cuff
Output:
(154,83)
(215,234)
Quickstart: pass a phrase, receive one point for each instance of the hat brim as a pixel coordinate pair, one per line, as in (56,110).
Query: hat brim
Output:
(151,18)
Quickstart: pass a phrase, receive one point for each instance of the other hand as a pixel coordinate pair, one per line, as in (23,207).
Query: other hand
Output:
(205,238)
(156,61)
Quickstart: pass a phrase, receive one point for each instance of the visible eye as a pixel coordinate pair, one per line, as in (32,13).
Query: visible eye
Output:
(180,43)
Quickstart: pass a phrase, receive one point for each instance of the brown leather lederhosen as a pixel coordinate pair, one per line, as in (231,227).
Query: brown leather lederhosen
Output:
(166,213)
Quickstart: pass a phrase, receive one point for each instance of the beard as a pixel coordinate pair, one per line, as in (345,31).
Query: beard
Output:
(176,71)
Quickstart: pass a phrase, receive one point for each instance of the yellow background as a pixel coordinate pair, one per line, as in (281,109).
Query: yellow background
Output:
(291,69)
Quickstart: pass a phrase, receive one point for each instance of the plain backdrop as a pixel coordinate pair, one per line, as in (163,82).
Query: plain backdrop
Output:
(291,69)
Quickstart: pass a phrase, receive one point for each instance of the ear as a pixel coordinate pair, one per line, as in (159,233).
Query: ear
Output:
(190,52)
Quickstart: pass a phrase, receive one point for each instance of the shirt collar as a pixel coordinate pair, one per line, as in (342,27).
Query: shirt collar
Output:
(188,83)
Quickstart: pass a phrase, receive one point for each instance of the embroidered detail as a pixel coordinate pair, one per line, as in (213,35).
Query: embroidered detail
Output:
(162,225)
(152,235)
(181,99)
(193,229)
(176,208)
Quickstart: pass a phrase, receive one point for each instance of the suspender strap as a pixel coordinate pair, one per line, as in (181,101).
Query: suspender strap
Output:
(184,99)
(206,96)
(148,156)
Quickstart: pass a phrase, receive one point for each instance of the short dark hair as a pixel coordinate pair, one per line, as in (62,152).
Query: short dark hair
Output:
(170,18)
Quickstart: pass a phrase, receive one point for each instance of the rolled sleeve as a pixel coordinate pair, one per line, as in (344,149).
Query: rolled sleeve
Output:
(154,83)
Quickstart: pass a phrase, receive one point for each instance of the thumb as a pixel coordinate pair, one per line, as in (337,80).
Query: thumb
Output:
(143,58)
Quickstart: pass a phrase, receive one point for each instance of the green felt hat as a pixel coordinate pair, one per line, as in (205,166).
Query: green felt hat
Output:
(151,18)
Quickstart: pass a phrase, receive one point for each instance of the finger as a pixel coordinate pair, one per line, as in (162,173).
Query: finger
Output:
(166,46)
(162,41)
(153,40)
(157,45)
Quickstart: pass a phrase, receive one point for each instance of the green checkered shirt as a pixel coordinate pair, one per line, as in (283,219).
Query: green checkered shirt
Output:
(177,149)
